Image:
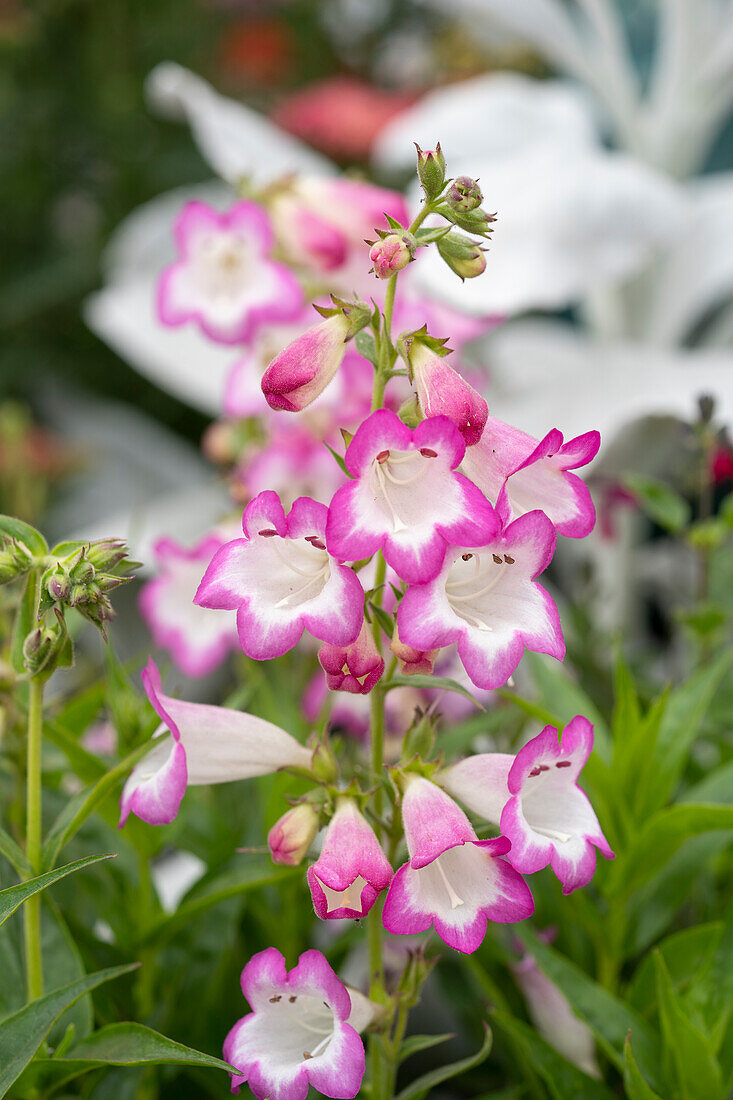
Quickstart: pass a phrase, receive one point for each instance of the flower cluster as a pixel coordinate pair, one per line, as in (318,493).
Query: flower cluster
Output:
(423,542)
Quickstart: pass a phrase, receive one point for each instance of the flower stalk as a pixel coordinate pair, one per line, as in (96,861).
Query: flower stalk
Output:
(32,908)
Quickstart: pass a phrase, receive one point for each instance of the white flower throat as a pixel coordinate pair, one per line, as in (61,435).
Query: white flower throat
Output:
(464,591)
(389,485)
(223,264)
(311,562)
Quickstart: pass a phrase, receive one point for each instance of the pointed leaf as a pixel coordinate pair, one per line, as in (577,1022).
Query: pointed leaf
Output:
(634,1084)
(437,683)
(22,1033)
(339,459)
(563,1079)
(12,528)
(365,345)
(660,502)
(14,896)
(563,698)
(415,1043)
(14,853)
(383,617)
(696,1068)
(424,1084)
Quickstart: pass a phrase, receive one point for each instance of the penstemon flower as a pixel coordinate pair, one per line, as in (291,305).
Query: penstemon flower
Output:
(535,798)
(197,640)
(352,870)
(300,373)
(442,391)
(224,278)
(521,474)
(198,744)
(453,881)
(290,838)
(355,668)
(281,580)
(413,662)
(487,601)
(302,1030)
(407,498)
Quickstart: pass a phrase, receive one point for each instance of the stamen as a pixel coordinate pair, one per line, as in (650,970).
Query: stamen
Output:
(275,999)
(552,834)
(455,901)
(291,565)
(466,557)
(496,558)
(564,764)
(398,524)
(314,579)
(322,1045)
(426,452)
(267,533)
(383,456)
(509,559)
(316,541)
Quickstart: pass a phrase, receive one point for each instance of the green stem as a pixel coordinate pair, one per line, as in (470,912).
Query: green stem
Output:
(32,909)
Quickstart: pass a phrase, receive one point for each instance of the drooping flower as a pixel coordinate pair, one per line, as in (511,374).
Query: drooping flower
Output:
(292,835)
(300,373)
(352,870)
(406,497)
(553,1016)
(198,744)
(281,580)
(355,668)
(197,639)
(413,662)
(302,1030)
(224,278)
(243,389)
(453,881)
(535,798)
(521,474)
(488,602)
(442,391)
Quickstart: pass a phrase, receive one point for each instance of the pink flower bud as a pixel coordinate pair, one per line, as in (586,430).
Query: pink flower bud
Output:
(391,255)
(300,373)
(413,662)
(442,391)
(290,838)
(355,668)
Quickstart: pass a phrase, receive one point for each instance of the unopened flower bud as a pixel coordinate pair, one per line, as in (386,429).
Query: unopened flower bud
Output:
(301,372)
(464,194)
(464,256)
(43,645)
(8,568)
(106,554)
(413,662)
(431,170)
(392,254)
(354,668)
(420,738)
(57,585)
(82,572)
(290,838)
(15,560)
(442,391)
(323,763)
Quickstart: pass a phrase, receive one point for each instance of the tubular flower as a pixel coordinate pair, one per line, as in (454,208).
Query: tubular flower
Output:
(407,498)
(355,668)
(413,662)
(300,373)
(196,745)
(522,474)
(442,390)
(302,1030)
(281,580)
(198,640)
(453,881)
(487,601)
(535,798)
(352,869)
(224,279)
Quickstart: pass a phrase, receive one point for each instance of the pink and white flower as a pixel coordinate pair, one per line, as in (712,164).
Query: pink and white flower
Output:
(292,835)
(453,881)
(352,870)
(224,278)
(413,662)
(198,640)
(300,373)
(355,668)
(442,391)
(196,745)
(521,473)
(281,580)
(302,1030)
(535,798)
(406,497)
(489,603)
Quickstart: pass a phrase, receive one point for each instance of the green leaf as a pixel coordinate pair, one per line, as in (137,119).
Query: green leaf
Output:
(415,1043)
(339,459)
(365,345)
(564,1080)
(22,1033)
(13,528)
(79,808)
(687,955)
(660,502)
(205,894)
(563,698)
(422,1086)
(696,1069)
(431,234)
(13,853)
(14,896)
(438,683)
(634,1084)
(25,621)
(658,840)
(608,1017)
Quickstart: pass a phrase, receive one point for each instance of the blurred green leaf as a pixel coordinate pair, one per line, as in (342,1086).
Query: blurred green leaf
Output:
(634,1084)
(687,1049)
(415,1043)
(436,683)
(14,896)
(687,955)
(563,1079)
(563,698)
(365,345)
(383,617)
(12,528)
(14,853)
(22,1033)
(422,1086)
(25,621)
(660,502)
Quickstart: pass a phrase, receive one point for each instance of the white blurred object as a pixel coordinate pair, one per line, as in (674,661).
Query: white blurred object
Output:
(174,875)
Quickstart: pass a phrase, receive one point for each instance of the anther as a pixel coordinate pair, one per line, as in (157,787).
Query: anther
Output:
(307,1054)
(383,456)
(544,768)
(466,557)
(426,452)
(292,999)
(275,999)
(267,534)
(535,771)
(564,764)
(314,540)
(509,559)
(496,558)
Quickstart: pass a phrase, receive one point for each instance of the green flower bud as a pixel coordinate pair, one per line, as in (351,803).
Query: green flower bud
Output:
(43,645)
(464,194)
(464,256)
(431,170)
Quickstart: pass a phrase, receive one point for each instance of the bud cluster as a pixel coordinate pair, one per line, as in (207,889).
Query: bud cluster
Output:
(15,560)
(84,580)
